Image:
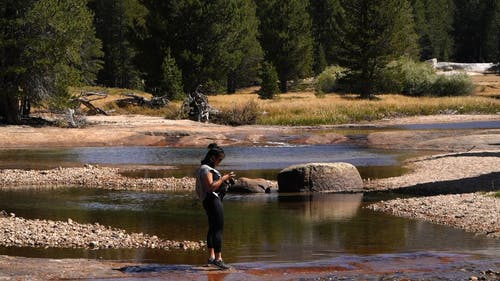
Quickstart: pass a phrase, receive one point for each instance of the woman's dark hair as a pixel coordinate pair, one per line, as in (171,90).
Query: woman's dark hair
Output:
(213,150)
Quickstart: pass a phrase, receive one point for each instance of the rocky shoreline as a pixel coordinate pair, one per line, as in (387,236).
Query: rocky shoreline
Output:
(462,185)
(473,212)
(20,232)
(89,176)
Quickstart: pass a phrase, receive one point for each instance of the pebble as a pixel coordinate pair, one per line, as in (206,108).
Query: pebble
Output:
(482,217)
(91,176)
(475,212)
(20,232)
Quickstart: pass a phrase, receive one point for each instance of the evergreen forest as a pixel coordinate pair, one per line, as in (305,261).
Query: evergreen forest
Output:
(171,47)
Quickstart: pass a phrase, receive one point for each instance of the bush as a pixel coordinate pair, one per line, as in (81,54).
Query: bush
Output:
(453,85)
(327,81)
(243,114)
(407,77)
(269,87)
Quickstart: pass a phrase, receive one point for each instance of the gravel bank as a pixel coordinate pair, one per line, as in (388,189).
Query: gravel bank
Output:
(90,176)
(447,175)
(20,232)
(442,168)
(473,212)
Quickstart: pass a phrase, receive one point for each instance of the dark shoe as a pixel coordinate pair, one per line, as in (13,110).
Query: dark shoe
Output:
(220,264)
(210,261)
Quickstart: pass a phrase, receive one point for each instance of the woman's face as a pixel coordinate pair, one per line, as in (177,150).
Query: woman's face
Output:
(218,159)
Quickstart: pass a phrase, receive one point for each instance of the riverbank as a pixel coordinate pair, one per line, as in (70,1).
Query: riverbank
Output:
(90,176)
(464,182)
(473,212)
(20,232)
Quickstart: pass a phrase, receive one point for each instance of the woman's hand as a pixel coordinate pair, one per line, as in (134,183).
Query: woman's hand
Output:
(228,176)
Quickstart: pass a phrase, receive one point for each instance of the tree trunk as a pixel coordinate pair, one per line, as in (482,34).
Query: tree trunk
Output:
(9,108)
(231,83)
(283,86)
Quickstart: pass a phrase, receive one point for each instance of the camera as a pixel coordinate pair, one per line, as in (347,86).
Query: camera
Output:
(224,187)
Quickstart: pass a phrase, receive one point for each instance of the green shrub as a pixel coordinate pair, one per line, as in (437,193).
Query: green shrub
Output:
(243,114)
(407,77)
(269,86)
(452,85)
(171,82)
(327,81)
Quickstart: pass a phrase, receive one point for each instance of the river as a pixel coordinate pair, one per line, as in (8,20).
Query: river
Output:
(265,228)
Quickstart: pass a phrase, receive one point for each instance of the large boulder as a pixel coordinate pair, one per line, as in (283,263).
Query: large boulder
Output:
(247,185)
(320,177)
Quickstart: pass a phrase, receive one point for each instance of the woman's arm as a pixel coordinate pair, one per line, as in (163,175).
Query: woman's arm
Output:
(215,185)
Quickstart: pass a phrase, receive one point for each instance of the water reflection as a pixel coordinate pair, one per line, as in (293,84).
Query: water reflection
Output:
(316,207)
(264,227)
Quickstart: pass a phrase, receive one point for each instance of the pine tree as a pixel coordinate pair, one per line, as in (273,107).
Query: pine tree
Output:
(474,30)
(11,68)
(213,42)
(320,62)
(492,32)
(269,85)
(439,18)
(247,51)
(50,45)
(171,85)
(326,15)
(374,33)
(285,36)
(118,24)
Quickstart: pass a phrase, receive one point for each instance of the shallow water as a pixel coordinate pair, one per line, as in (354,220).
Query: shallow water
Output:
(256,161)
(259,228)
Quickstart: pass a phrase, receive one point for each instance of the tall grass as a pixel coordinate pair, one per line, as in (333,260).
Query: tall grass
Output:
(306,109)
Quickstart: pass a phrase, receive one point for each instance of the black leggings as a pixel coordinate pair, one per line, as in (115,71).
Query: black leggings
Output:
(215,212)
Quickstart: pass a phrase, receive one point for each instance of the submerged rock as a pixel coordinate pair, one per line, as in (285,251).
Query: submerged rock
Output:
(320,177)
(247,185)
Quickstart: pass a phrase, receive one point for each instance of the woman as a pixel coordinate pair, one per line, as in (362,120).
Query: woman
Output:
(210,186)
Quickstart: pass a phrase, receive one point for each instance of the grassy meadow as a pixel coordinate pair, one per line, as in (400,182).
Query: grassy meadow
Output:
(304,108)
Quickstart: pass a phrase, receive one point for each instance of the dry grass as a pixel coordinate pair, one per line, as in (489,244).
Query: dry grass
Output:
(487,85)
(304,108)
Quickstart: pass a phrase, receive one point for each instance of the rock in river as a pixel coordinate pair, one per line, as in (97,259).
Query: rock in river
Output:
(320,177)
(247,185)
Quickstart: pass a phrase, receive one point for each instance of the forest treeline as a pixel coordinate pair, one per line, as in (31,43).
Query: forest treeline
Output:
(171,47)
